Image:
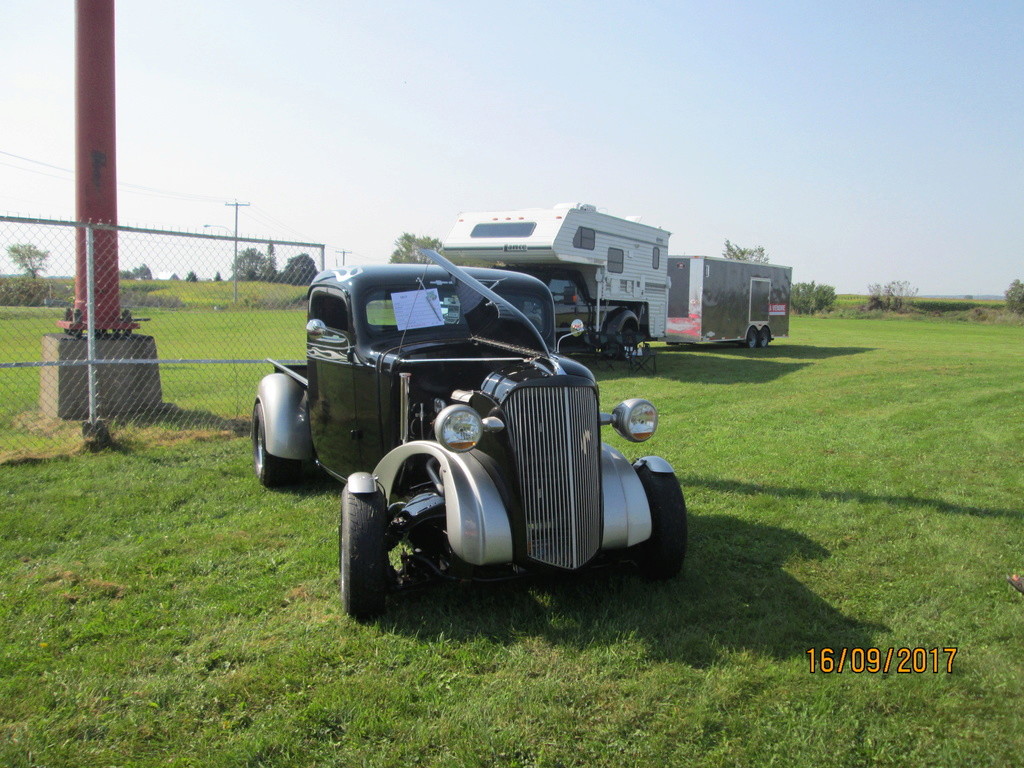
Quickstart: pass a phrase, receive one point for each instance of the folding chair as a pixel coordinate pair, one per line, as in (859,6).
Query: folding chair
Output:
(606,349)
(639,354)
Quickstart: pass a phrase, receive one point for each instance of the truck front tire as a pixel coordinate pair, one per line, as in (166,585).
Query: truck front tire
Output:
(362,554)
(661,556)
(272,471)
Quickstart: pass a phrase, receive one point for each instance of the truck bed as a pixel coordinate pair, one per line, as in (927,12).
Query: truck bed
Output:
(293,369)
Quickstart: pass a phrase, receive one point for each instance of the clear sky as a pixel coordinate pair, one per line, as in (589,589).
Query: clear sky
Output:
(858,142)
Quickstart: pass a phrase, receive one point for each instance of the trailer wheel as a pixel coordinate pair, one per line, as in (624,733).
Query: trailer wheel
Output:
(362,554)
(752,338)
(661,556)
(272,471)
(763,337)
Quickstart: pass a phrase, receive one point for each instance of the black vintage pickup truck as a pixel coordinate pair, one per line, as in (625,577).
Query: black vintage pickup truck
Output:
(468,449)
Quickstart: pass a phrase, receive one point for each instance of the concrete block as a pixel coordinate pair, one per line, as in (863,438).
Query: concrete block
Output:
(123,391)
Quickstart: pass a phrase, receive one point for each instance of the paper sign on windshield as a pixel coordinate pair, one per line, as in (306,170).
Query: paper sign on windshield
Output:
(417,309)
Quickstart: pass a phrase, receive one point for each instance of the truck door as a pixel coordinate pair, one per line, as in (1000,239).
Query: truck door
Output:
(570,303)
(331,390)
(760,294)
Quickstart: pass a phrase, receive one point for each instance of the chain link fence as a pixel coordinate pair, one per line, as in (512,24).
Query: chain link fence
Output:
(170,344)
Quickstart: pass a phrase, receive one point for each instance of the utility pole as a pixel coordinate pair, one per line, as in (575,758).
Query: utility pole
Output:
(234,264)
(343,254)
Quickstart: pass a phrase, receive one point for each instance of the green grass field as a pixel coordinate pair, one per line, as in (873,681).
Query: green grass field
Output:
(207,396)
(857,487)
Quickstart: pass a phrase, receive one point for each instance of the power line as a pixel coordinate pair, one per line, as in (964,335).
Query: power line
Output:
(265,218)
(257,213)
(133,188)
(37,162)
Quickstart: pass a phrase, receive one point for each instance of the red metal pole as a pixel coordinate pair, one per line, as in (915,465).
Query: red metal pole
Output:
(95,163)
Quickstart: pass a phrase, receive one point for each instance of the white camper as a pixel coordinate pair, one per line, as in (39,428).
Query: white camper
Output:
(610,271)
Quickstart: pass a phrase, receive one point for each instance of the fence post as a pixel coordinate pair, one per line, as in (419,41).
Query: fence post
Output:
(90,303)
(94,431)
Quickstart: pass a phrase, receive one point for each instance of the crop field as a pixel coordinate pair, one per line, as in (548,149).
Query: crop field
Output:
(855,488)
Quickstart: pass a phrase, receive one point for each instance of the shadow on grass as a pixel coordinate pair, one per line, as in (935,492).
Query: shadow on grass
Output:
(123,433)
(776,350)
(751,489)
(711,369)
(734,596)
(171,415)
(709,364)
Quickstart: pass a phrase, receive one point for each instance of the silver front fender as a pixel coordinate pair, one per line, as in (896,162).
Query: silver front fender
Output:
(286,417)
(478,527)
(627,515)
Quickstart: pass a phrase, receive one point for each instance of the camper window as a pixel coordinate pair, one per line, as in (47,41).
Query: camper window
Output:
(656,259)
(584,238)
(504,229)
(616,257)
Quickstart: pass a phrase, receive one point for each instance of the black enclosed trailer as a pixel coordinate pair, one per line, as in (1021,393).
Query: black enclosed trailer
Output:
(713,299)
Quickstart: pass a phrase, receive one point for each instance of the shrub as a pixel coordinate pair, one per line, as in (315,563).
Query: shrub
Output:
(1015,297)
(944,305)
(808,298)
(31,292)
(891,297)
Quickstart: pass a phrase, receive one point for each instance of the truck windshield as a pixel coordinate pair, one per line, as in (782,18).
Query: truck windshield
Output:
(419,309)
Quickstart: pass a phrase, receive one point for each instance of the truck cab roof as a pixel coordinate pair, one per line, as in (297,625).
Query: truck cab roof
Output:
(413,301)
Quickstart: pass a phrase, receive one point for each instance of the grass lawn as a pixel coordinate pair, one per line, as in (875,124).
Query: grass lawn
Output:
(208,396)
(857,487)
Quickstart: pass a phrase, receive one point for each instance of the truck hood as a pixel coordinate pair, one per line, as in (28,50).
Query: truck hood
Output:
(484,309)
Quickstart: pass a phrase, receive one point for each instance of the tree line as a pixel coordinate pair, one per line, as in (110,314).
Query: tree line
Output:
(255,266)
(251,265)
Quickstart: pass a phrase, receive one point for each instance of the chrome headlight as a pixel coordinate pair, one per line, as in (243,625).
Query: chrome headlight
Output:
(458,428)
(635,419)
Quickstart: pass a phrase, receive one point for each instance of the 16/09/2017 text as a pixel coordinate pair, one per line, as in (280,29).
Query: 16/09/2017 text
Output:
(884,660)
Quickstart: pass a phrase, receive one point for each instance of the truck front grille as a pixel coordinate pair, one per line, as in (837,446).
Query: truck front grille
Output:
(554,435)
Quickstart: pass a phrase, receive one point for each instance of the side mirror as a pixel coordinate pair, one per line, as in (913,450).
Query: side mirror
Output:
(576,329)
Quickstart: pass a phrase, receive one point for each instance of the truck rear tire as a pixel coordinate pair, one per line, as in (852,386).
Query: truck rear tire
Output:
(752,338)
(362,554)
(661,556)
(272,471)
(623,322)
(764,336)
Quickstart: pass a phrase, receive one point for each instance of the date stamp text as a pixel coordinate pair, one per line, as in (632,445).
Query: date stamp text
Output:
(884,660)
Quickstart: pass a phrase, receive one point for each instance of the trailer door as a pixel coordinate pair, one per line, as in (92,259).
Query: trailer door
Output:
(683,313)
(760,293)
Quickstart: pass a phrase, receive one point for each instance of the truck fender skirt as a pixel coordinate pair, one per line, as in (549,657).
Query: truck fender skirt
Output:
(477,520)
(627,515)
(361,482)
(656,464)
(286,417)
